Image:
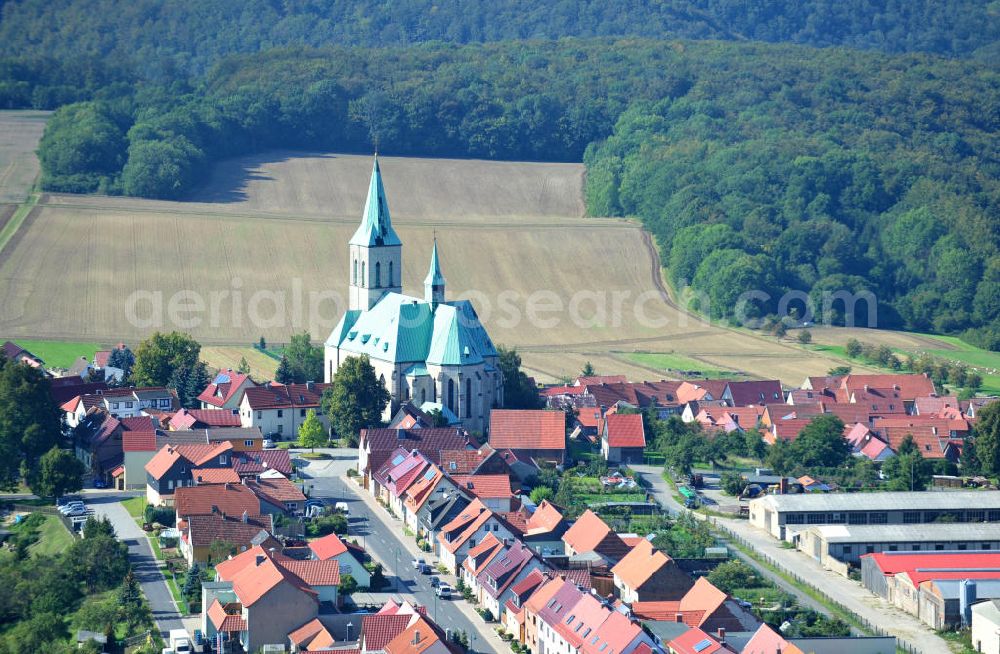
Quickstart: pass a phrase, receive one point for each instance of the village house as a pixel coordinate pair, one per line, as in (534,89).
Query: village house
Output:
(646,574)
(269,595)
(539,434)
(466,530)
(591,534)
(512,564)
(703,606)
(278,410)
(241,532)
(513,614)
(545,528)
(14,352)
(493,490)
(225,499)
(377,446)
(226,391)
(432,484)
(624,438)
(349,557)
(172,467)
(202,419)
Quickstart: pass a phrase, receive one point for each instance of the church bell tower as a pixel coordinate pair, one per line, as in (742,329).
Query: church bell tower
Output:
(375,250)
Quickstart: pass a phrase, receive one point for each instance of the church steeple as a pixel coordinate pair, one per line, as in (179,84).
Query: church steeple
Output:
(376,226)
(375,250)
(434,283)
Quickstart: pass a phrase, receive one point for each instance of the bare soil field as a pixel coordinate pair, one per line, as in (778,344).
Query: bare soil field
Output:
(262,251)
(20,132)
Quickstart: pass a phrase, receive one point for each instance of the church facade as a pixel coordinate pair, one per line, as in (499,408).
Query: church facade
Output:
(426,350)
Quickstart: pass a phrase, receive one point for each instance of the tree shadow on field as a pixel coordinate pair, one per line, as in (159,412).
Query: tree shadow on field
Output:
(229,179)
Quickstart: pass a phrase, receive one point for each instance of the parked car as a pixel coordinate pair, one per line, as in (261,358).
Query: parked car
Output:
(100,483)
(418,563)
(435,582)
(75,507)
(426,569)
(268,444)
(342,507)
(443,591)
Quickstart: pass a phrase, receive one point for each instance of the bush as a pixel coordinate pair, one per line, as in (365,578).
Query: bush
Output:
(335,523)
(163,515)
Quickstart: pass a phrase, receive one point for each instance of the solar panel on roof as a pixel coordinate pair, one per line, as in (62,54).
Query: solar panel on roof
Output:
(222,378)
(396,460)
(702,645)
(429,474)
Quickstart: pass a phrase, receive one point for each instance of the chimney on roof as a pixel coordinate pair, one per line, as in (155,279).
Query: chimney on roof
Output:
(678,618)
(416,637)
(227,485)
(246,517)
(722,635)
(310,385)
(215,509)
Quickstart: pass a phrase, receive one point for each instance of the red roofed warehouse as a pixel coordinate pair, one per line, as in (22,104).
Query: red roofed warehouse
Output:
(538,434)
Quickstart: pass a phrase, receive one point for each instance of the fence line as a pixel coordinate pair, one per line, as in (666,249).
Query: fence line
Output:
(866,624)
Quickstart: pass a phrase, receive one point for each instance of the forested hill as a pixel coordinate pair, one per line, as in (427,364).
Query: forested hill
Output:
(164,38)
(756,166)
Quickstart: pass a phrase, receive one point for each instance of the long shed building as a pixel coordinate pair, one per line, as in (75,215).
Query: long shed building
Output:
(783,515)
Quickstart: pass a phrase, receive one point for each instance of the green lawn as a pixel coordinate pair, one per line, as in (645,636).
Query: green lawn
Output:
(987,363)
(668,361)
(135,507)
(53,537)
(59,354)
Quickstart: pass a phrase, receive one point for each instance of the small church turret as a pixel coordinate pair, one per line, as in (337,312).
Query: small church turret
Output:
(434,283)
(375,250)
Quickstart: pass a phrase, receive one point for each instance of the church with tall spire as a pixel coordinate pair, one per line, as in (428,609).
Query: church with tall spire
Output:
(429,351)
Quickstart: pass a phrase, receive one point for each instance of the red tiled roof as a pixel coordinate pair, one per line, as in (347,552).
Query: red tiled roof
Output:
(327,547)
(277,491)
(485,486)
(285,396)
(745,393)
(313,571)
(138,423)
(420,636)
(687,642)
(544,520)
(231,499)
(311,636)
(528,429)
(203,529)
(461,528)
(222,389)
(226,618)
(909,387)
(194,418)
(254,463)
(139,441)
(767,641)
(214,476)
(625,430)
(255,572)
(464,462)
(587,533)
(379,629)
(641,563)
(914,563)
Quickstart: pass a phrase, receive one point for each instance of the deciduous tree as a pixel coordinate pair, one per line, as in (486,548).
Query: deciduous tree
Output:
(355,399)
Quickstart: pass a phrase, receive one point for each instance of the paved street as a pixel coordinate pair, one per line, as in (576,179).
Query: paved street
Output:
(849,594)
(144,563)
(383,538)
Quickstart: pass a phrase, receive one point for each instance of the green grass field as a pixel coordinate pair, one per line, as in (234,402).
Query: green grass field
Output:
(59,354)
(135,506)
(53,537)
(670,362)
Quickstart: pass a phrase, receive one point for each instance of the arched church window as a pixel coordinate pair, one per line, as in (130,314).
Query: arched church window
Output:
(468,398)
(378,274)
(390,274)
(354,278)
(363,274)
(423,396)
(451,395)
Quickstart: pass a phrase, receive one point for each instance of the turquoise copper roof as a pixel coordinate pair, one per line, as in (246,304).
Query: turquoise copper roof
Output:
(376,226)
(434,276)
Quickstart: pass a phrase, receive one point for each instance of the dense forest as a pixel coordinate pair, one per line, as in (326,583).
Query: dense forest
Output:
(162,38)
(755,165)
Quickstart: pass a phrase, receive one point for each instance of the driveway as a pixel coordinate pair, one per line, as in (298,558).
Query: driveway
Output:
(849,594)
(144,563)
(382,537)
